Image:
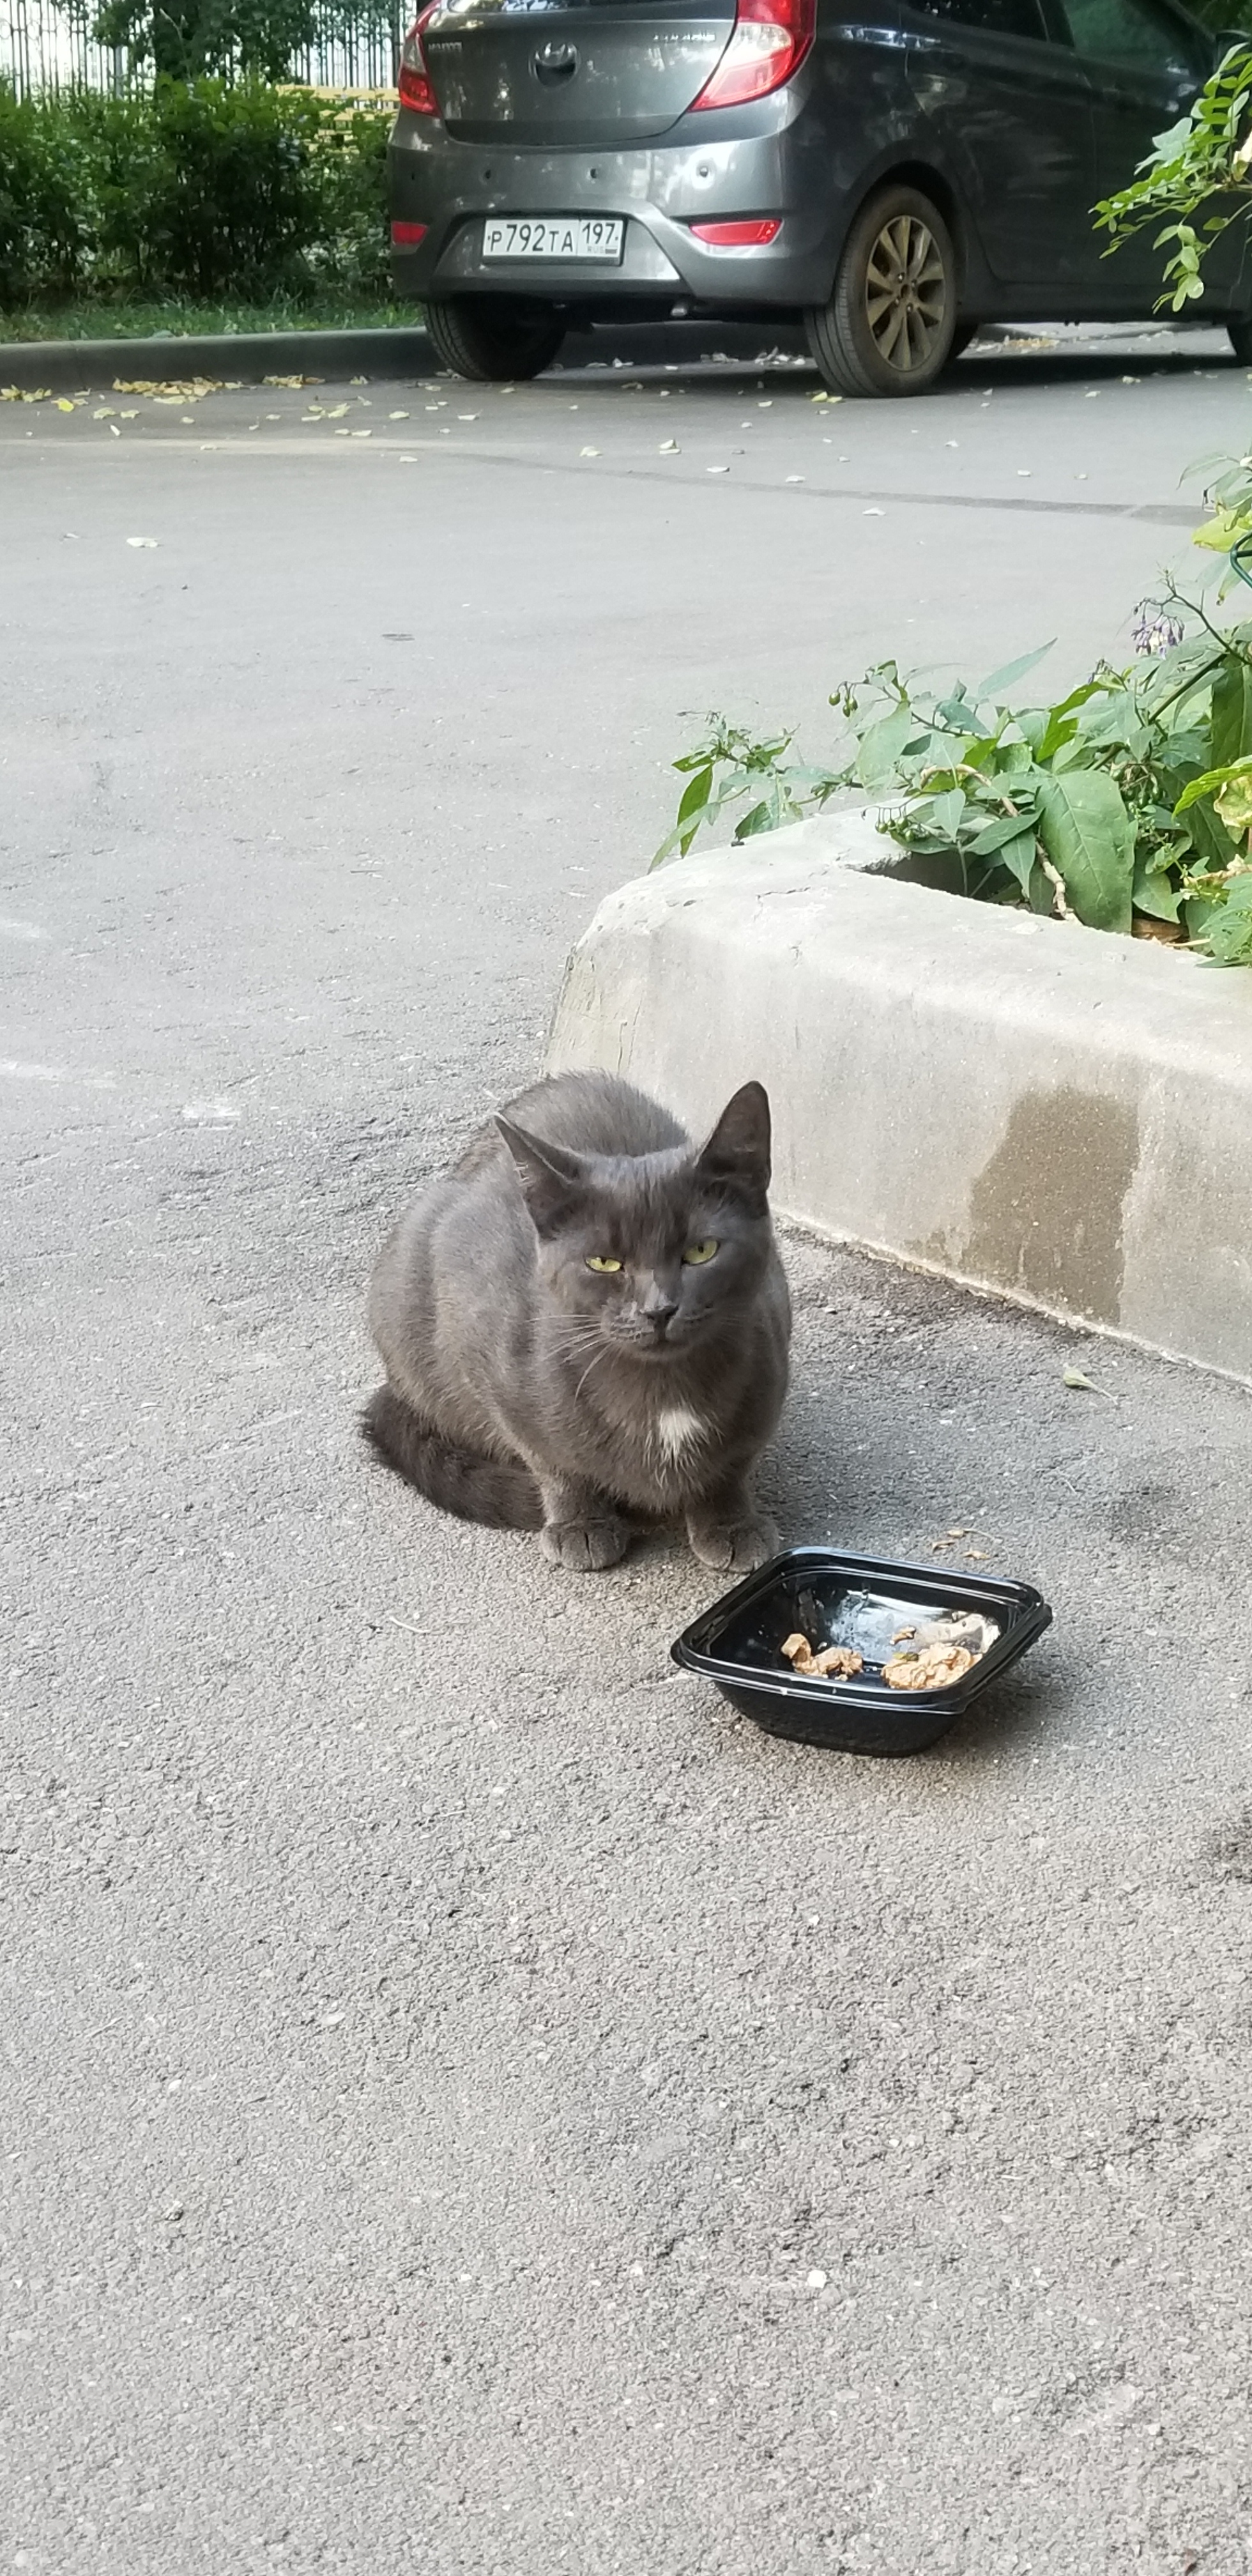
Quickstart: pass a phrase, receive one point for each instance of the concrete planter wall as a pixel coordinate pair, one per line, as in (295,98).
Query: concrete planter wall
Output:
(1053,1113)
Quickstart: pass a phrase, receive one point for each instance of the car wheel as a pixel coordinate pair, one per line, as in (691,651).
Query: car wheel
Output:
(891,320)
(494,338)
(964,334)
(1241,339)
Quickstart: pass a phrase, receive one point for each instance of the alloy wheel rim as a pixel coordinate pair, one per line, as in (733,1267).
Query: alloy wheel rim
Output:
(906,294)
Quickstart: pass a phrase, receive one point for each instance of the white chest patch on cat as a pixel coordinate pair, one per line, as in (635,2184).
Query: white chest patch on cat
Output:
(676,1428)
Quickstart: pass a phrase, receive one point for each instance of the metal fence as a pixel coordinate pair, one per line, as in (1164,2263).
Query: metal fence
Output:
(46,46)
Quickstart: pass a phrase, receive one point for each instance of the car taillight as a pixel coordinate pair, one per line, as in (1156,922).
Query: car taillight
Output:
(408,236)
(743,236)
(768,42)
(416,88)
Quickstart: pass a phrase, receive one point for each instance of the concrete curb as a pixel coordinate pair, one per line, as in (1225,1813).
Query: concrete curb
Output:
(247,357)
(1055,1114)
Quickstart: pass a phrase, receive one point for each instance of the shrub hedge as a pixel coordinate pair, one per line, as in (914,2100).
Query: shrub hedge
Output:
(196,187)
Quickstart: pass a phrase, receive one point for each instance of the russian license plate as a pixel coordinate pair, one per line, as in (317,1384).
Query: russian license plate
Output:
(553,237)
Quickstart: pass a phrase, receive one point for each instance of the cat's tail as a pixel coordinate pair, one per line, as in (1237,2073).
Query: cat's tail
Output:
(499,1491)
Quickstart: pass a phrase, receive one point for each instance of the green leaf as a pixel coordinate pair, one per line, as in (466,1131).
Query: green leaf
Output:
(1210,782)
(1006,827)
(1210,839)
(944,813)
(1228,928)
(1152,891)
(882,745)
(1219,533)
(1232,710)
(1021,858)
(1089,837)
(1009,672)
(957,711)
(696,793)
(761,818)
(1062,721)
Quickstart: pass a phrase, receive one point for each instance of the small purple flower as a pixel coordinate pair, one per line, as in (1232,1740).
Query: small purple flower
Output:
(1155,630)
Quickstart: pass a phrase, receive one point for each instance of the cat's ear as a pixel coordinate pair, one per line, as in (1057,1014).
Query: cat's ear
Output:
(737,1154)
(553,1178)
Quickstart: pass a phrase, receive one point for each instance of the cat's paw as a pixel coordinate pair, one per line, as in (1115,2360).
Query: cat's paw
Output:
(734,1547)
(585,1547)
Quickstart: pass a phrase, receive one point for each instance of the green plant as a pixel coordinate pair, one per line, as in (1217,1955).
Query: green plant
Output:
(1128,802)
(184,39)
(1121,799)
(1199,176)
(45,199)
(1205,156)
(225,195)
(200,187)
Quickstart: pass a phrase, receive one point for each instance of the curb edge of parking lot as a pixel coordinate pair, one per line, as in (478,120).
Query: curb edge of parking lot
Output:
(1051,1114)
(244,357)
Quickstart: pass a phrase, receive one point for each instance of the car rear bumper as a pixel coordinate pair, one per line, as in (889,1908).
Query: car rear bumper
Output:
(659,190)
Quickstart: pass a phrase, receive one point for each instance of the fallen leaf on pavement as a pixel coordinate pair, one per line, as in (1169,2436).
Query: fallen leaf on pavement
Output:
(1075,1377)
(169,388)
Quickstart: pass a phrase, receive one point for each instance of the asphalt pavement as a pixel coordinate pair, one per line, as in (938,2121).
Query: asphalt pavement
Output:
(470,2103)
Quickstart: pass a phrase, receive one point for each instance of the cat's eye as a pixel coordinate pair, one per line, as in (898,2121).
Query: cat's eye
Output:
(699,1252)
(600,1261)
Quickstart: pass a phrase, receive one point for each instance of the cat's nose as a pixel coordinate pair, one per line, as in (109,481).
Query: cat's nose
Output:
(660,1311)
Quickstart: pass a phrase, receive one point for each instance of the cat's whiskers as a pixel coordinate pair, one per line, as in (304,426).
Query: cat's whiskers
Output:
(592,1363)
(584,1338)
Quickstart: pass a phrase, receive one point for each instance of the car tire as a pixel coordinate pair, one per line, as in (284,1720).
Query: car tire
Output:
(1240,331)
(892,317)
(494,339)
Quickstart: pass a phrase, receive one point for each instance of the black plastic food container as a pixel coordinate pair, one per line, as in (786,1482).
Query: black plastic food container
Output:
(858,1601)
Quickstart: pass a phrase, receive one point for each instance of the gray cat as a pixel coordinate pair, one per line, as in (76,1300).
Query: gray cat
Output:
(586,1322)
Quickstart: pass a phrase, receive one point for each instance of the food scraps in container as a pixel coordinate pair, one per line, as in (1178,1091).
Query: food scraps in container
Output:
(837,1663)
(930,1656)
(927,1667)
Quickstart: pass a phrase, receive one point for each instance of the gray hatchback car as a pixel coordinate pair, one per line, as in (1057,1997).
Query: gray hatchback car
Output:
(893,172)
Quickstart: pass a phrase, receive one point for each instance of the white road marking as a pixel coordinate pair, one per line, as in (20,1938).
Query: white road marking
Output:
(211,1113)
(17,1072)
